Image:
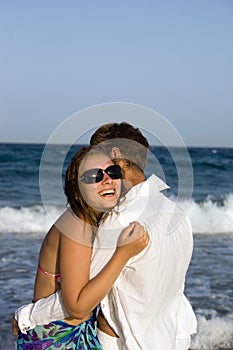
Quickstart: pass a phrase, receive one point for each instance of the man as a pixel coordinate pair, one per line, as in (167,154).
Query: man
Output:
(146,308)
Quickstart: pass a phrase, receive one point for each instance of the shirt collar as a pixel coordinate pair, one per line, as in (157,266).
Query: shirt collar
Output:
(152,185)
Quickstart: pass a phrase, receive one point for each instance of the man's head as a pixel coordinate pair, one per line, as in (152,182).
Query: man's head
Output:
(122,140)
(126,145)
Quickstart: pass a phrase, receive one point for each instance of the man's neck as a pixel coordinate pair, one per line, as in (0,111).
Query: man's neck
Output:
(133,178)
(132,175)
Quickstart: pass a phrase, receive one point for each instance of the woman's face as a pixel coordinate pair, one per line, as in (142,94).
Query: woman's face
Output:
(102,195)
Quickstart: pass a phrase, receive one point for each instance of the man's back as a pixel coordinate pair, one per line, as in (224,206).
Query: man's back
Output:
(146,304)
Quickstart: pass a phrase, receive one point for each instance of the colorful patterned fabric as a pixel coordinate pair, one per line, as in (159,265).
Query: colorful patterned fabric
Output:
(60,335)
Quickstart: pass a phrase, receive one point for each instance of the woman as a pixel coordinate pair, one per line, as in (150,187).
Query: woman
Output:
(92,187)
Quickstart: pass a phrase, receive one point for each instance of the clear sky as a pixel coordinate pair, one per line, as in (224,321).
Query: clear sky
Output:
(175,57)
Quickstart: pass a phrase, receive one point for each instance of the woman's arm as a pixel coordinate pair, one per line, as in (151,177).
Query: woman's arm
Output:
(52,308)
(81,295)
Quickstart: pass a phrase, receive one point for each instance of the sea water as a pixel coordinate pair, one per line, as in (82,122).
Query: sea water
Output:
(24,222)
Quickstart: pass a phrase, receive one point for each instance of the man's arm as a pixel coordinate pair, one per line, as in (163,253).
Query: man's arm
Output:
(41,312)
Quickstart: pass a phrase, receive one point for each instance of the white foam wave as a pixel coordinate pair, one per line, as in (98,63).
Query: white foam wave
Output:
(214,333)
(33,219)
(211,217)
(206,217)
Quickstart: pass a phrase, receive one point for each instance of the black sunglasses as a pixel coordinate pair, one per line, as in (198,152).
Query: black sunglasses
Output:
(96,175)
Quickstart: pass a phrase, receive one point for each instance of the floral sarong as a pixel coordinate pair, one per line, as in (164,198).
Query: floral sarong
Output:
(60,335)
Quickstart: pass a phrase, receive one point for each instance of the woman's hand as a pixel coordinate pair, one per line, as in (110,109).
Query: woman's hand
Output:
(133,240)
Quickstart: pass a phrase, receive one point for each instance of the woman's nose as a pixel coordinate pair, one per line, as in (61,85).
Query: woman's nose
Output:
(107,178)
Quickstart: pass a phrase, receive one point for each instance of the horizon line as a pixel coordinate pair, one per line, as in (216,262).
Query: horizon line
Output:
(65,144)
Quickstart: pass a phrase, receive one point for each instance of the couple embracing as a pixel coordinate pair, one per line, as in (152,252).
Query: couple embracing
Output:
(112,268)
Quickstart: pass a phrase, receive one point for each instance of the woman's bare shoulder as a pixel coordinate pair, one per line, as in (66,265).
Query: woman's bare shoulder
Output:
(74,228)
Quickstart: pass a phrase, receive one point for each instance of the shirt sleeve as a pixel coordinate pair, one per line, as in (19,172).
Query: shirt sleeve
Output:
(41,312)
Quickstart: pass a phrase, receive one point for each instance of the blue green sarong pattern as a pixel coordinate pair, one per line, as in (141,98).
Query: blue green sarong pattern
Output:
(60,335)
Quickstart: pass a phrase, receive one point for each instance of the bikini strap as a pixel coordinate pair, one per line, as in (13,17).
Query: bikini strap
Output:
(54,275)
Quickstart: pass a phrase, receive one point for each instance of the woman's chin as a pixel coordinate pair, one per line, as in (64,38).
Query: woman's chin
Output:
(109,203)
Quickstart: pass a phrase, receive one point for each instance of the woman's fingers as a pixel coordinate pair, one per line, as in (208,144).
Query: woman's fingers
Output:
(136,235)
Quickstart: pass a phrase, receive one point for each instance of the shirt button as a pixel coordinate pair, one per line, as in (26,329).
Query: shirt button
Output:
(102,306)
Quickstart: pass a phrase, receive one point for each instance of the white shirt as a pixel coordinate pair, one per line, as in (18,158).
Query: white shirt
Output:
(146,306)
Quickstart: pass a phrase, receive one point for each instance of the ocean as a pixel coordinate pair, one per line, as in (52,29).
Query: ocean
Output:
(24,222)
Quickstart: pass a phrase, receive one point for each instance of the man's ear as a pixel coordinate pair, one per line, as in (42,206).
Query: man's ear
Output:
(116,153)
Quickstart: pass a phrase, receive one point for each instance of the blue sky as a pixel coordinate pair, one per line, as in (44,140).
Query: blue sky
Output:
(175,57)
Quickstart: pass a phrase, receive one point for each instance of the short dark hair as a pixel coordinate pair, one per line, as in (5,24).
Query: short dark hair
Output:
(129,139)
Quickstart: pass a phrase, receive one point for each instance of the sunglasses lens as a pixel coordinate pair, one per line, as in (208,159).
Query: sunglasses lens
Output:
(99,175)
(114,171)
(92,176)
(96,175)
